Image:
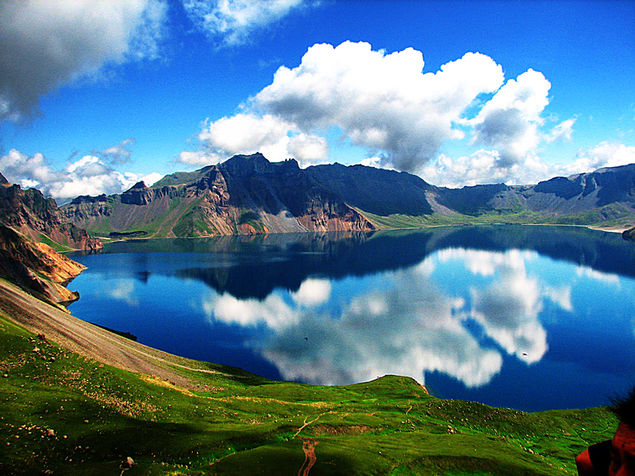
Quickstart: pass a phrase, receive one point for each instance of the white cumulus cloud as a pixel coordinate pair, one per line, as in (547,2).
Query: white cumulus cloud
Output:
(407,329)
(587,272)
(382,102)
(124,290)
(562,131)
(118,154)
(199,158)
(248,133)
(510,120)
(89,175)
(508,308)
(272,311)
(604,154)
(486,166)
(312,292)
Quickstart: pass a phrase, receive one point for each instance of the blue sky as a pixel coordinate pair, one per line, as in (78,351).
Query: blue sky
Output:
(96,95)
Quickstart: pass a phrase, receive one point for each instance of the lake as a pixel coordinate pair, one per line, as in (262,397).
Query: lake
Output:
(527,317)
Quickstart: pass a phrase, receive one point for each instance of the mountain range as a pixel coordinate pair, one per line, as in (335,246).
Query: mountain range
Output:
(247,194)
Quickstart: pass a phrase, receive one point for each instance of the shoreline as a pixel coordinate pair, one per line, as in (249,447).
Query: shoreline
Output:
(619,229)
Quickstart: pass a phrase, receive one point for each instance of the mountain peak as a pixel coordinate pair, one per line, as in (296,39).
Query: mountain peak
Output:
(247,164)
(141,185)
(256,156)
(3,180)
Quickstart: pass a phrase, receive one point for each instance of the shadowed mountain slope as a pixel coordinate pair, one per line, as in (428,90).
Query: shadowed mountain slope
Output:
(247,194)
(244,195)
(30,225)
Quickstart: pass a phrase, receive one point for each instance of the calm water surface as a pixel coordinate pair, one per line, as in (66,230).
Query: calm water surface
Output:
(518,316)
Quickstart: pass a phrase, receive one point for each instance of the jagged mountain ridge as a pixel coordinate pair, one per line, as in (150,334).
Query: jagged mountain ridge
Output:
(247,194)
(40,219)
(557,196)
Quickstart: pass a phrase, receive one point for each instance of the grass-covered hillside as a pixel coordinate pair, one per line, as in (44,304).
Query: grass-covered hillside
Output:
(79,400)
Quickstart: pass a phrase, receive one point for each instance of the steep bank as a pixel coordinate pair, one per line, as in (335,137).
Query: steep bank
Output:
(39,219)
(36,267)
(89,340)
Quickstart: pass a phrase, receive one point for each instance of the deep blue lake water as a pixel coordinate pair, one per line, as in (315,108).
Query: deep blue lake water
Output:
(528,317)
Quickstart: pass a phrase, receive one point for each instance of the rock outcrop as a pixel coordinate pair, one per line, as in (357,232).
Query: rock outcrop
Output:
(39,218)
(244,195)
(247,194)
(36,267)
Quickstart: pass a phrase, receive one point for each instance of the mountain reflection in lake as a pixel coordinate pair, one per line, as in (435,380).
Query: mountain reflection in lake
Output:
(519,316)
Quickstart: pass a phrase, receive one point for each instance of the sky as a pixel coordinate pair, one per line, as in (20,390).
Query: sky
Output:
(96,95)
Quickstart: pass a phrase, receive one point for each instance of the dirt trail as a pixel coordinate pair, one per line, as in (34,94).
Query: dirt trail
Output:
(92,341)
(308,446)
(307,424)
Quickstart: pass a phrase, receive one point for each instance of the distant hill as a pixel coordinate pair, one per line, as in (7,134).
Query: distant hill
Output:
(247,194)
(606,196)
(559,195)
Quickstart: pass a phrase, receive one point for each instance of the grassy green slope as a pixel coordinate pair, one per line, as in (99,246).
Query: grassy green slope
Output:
(231,422)
(155,221)
(59,247)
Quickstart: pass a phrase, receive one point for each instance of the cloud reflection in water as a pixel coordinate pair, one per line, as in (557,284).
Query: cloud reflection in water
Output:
(124,290)
(403,323)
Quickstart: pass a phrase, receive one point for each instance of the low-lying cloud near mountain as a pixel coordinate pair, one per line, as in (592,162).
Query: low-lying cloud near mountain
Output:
(402,116)
(89,175)
(267,134)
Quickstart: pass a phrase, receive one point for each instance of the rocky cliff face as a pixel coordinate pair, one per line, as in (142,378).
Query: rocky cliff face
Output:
(244,195)
(247,194)
(39,218)
(36,267)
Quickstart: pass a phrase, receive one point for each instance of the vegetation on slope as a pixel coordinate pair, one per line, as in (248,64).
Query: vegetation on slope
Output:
(64,412)
(614,215)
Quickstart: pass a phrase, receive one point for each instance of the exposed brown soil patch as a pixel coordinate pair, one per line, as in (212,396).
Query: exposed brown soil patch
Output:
(308,446)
